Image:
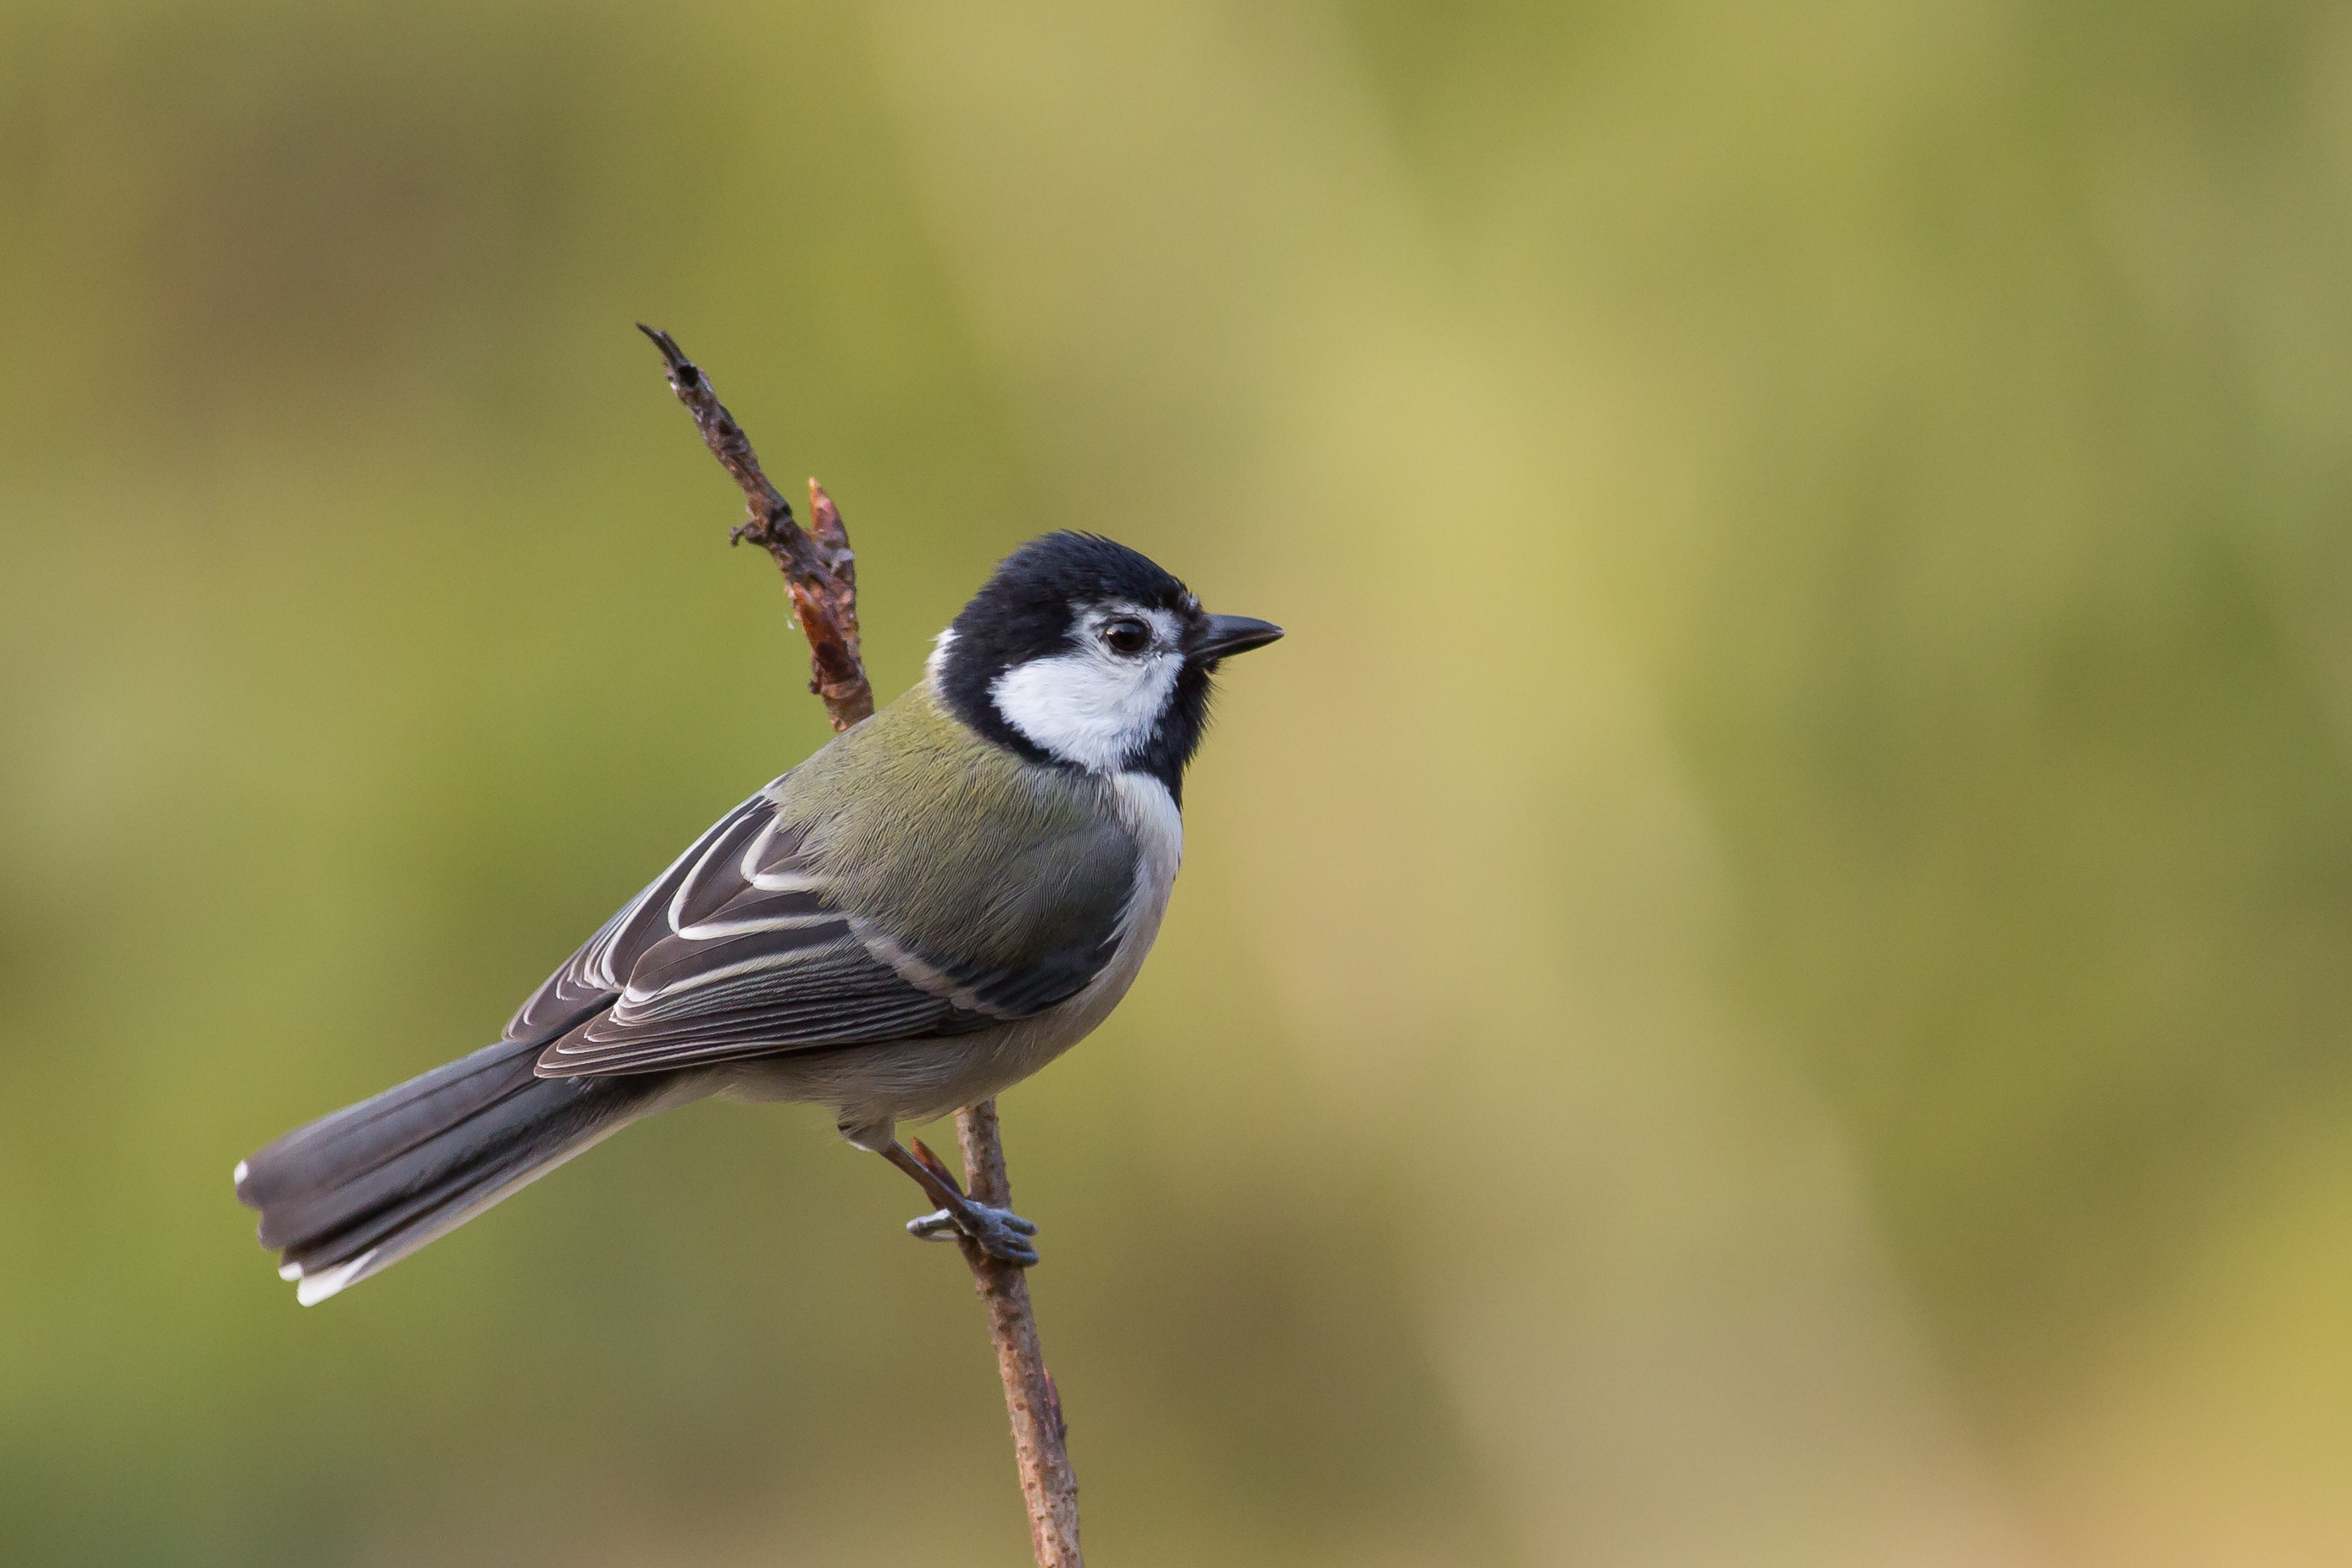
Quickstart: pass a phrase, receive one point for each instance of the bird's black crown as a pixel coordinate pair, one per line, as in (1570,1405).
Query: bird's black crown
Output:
(1023,611)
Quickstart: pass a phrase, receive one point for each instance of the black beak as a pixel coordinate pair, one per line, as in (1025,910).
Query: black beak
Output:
(1221,636)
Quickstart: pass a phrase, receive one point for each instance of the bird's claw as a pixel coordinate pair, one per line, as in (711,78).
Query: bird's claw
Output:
(999,1232)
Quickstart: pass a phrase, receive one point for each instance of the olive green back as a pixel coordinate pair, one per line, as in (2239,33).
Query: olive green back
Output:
(957,847)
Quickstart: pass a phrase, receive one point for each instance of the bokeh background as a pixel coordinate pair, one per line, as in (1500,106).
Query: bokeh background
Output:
(1763,980)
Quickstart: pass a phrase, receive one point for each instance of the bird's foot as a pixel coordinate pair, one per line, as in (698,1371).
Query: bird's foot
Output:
(1001,1233)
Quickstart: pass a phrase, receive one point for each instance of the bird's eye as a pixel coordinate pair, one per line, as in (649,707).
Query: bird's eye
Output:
(1127,635)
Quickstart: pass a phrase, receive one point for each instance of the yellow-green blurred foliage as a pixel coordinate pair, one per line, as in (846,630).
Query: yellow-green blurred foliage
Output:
(1763,980)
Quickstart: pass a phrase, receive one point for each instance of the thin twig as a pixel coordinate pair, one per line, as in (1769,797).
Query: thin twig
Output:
(1040,1436)
(819,568)
(823,576)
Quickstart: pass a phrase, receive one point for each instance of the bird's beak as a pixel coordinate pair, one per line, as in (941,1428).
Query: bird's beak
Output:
(1221,636)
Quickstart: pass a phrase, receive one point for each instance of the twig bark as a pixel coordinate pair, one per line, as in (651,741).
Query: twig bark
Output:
(819,567)
(821,574)
(1039,1434)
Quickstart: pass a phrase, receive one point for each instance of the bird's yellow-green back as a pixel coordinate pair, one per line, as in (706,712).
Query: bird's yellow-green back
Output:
(912,811)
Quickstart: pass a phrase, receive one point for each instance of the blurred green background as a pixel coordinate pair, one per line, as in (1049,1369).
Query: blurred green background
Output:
(1763,980)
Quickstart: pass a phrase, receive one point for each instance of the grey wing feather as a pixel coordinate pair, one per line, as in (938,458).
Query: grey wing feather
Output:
(738,951)
(592,978)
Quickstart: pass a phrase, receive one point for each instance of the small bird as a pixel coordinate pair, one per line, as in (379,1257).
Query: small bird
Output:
(937,903)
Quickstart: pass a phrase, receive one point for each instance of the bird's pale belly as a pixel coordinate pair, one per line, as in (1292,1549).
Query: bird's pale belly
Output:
(870,1088)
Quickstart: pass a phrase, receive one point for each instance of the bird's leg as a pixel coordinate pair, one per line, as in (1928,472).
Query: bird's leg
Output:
(999,1232)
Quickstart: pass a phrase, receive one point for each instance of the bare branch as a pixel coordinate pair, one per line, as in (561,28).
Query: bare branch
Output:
(820,569)
(822,573)
(1040,1436)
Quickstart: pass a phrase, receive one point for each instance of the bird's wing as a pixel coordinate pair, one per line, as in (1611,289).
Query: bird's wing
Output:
(592,978)
(748,946)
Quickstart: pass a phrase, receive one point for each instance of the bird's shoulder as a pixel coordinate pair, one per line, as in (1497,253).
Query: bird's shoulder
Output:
(926,829)
(917,768)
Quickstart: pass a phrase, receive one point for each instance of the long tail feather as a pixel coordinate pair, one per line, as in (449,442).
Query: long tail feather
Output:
(352,1193)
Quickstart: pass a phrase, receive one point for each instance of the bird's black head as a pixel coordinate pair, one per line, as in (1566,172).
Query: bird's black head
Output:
(1080,653)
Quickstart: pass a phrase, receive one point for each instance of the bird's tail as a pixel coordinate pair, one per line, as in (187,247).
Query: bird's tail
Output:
(352,1193)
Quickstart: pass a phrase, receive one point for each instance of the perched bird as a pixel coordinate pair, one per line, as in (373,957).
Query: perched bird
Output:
(937,902)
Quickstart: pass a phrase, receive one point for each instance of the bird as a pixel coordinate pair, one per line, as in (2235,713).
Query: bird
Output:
(936,903)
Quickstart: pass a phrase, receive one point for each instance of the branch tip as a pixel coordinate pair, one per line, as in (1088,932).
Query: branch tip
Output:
(681,369)
(819,569)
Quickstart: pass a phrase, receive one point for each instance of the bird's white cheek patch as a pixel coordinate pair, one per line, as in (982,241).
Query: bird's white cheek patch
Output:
(1087,706)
